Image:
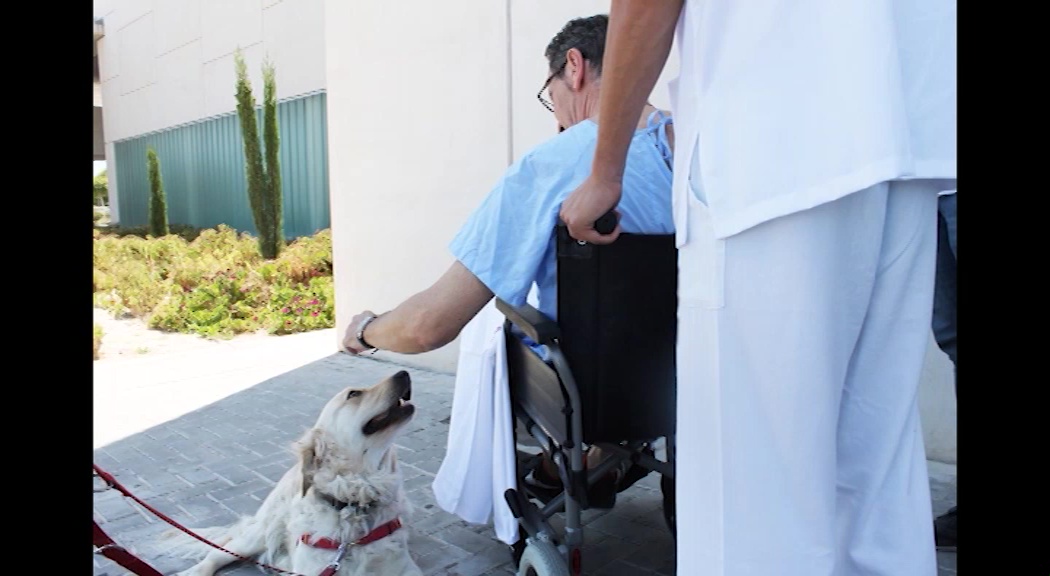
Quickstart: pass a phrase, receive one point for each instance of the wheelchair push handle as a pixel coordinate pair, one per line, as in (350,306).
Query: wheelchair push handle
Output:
(606,224)
(603,225)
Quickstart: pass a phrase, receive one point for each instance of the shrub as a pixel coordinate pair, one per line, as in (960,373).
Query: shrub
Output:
(158,207)
(100,189)
(215,284)
(272,139)
(188,233)
(264,184)
(98,340)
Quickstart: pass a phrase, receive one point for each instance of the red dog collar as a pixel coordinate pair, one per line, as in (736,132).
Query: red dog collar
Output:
(378,534)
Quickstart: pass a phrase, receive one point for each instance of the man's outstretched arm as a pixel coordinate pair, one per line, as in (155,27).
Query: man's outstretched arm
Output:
(427,321)
(638,42)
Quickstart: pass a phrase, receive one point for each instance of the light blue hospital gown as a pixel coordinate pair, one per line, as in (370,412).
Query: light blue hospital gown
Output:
(509,243)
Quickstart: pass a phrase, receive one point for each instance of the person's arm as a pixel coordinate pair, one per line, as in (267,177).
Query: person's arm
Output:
(426,321)
(637,44)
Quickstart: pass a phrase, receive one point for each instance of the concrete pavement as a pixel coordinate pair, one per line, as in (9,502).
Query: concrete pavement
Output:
(203,435)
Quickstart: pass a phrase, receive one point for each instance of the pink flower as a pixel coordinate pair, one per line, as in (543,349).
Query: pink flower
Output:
(313,313)
(284,310)
(313,302)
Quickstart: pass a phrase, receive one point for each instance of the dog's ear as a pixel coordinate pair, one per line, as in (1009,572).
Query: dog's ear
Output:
(312,448)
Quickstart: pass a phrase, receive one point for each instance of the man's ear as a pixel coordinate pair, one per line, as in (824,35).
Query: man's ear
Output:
(312,450)
(576,67)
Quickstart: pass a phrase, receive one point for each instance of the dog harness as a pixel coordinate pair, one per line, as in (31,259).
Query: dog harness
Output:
(382,531)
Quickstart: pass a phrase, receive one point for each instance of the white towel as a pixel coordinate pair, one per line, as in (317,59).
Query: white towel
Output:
(480,460)
(504,455)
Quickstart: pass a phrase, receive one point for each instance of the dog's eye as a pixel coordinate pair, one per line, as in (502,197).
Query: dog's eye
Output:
(353,394)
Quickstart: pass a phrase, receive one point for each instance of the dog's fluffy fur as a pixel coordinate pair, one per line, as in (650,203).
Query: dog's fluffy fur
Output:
(347,456)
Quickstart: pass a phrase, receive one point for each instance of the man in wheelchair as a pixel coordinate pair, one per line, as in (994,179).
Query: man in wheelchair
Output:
(508,244)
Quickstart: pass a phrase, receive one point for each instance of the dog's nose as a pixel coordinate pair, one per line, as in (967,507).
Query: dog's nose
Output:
(402,376)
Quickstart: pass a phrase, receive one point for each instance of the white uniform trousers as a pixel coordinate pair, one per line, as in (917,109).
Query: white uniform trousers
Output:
(801,344)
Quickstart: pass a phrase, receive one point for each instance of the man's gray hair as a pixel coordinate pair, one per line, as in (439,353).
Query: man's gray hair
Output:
(584,34)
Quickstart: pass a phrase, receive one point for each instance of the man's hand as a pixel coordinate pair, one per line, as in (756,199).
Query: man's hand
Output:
(586,205)
(350,342)
(637,44)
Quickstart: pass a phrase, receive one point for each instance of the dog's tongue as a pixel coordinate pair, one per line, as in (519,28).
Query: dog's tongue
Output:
(378,423)
(388,417)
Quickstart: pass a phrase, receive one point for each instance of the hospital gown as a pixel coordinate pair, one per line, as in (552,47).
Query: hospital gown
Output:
(508,243)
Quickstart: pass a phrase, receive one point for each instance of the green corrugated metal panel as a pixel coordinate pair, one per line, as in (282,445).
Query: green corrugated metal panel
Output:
(202,166)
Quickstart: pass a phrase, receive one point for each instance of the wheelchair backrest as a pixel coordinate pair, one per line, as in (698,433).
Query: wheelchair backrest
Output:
(617,314)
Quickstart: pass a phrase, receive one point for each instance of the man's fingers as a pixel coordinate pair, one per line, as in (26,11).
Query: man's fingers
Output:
(592,236)
(564,212)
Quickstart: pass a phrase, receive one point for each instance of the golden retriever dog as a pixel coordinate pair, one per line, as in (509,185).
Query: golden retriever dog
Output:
(338,510)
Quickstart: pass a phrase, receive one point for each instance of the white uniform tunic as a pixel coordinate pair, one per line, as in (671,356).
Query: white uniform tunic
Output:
(811,133)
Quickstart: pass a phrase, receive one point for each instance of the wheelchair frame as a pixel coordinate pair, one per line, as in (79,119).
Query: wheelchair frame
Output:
(562,440)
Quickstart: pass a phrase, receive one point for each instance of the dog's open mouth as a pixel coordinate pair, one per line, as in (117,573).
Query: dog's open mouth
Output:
(400,411)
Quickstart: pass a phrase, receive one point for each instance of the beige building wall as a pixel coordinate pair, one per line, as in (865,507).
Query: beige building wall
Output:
(419,130)
(428,103)
(169,62)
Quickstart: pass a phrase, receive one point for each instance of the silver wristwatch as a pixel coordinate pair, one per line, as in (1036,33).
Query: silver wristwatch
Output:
(361,332)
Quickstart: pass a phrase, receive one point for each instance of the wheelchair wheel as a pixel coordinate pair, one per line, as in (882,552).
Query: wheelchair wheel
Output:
(667,489)
(542,559)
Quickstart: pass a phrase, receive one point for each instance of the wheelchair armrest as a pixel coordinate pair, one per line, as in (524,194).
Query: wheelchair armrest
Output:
(531,321)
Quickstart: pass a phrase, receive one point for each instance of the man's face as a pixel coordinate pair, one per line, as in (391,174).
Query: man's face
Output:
(560,95)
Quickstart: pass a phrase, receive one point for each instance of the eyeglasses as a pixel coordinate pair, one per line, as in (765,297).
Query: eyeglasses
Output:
(539,95)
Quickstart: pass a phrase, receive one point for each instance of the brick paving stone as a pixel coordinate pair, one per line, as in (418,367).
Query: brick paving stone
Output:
(211,465)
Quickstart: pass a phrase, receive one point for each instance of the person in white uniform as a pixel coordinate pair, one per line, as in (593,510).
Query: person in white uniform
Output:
(945,526)
(812,137)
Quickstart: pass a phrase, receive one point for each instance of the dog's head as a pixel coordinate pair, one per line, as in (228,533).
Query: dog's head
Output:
(358,426)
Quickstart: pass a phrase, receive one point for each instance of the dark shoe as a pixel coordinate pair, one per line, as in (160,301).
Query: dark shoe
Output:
(601,494)
(634,473)
(542,486)
(539,478)
(944,530)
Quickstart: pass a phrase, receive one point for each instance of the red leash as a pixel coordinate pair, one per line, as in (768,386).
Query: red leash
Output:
(149,570)
(108,548)
(115,552)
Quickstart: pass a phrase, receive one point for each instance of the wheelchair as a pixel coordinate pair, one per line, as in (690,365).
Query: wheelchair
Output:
(608,381)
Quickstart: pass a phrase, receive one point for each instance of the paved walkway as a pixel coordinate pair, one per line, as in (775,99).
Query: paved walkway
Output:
(203,434)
